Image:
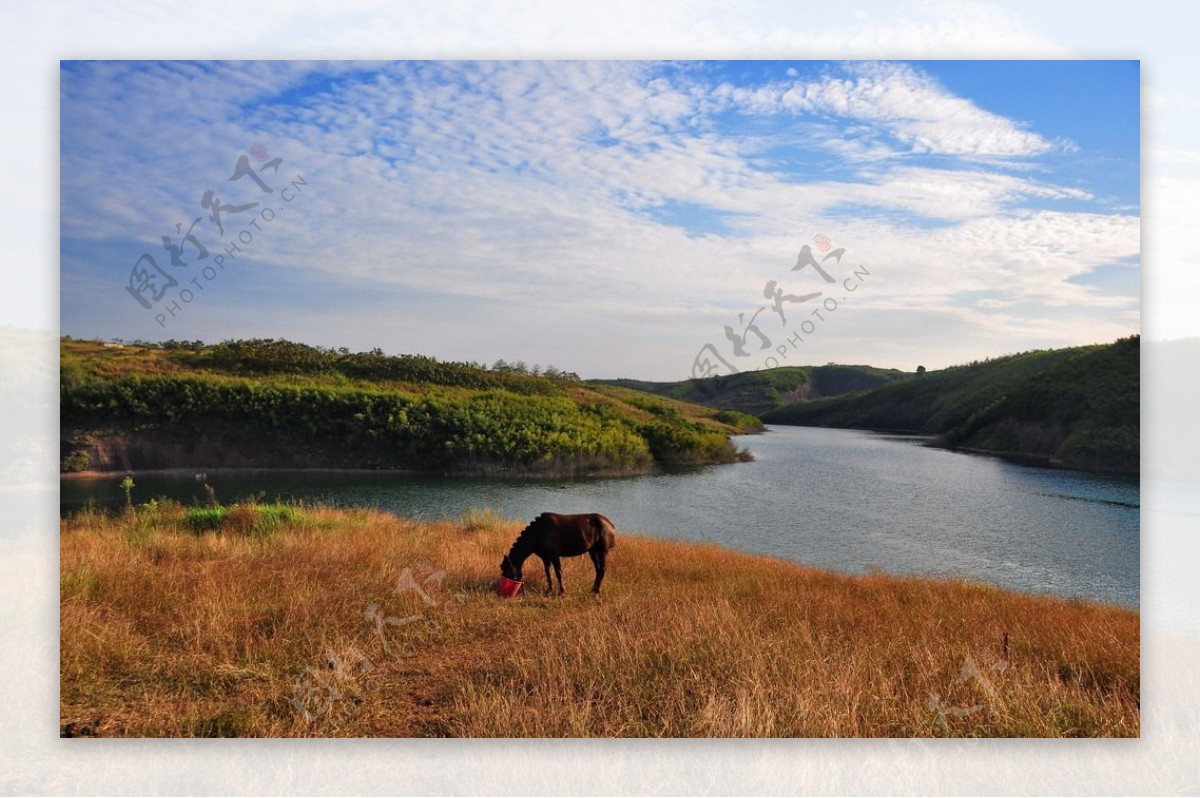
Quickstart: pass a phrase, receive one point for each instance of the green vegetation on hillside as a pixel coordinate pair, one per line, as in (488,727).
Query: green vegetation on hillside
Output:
(758,392)
(276,403)
(1078,406)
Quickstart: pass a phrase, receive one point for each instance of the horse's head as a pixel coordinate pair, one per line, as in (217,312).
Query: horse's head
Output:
(510,569)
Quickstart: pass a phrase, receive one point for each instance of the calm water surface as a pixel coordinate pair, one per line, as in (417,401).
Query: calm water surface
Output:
(842,499)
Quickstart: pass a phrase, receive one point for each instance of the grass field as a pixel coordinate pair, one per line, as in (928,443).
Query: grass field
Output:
(300,621)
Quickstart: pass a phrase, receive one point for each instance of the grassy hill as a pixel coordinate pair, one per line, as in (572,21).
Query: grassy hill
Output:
(269,403)
(758,392)
(279,621)
(1078,406)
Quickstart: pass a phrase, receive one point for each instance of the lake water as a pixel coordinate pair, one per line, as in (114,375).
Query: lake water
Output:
(847,500)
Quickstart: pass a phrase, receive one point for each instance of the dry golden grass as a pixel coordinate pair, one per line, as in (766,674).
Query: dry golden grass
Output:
(321,622)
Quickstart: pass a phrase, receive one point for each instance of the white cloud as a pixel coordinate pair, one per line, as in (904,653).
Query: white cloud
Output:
(907,105)
(541,185)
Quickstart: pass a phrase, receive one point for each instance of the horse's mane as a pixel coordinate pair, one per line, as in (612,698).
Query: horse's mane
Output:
(525,539)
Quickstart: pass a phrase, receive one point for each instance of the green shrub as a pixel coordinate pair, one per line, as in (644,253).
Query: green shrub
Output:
(299,406)
(205,519)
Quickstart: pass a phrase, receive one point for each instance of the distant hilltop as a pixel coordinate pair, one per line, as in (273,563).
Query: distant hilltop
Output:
(759,392)
(1077,407)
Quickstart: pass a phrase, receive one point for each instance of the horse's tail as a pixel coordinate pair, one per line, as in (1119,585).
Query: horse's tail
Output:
(607,530)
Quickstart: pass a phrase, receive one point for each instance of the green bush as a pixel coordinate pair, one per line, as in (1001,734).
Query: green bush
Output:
(280,403)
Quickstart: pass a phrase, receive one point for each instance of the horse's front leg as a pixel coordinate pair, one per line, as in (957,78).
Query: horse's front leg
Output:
(549,584)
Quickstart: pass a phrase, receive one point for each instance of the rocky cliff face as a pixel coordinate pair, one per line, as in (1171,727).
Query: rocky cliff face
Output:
(134,451)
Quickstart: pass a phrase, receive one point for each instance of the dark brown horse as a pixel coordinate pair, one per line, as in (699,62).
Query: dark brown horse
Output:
(552,536)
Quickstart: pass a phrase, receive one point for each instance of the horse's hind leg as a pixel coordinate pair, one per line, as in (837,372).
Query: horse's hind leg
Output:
(558,573)
(598,557)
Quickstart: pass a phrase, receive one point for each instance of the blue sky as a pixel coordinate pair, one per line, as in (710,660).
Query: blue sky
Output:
(612,218)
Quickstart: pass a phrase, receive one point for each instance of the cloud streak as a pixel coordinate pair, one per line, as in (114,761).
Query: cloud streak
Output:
(903,111)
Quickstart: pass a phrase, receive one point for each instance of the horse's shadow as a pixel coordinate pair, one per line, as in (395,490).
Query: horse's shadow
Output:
(486,586)
(534,590)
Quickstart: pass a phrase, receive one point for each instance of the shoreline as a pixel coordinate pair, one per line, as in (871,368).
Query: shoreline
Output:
(402,472)
(265,622)
(649,536)
(93,474)
(1032,459)
(872,572)
(937,441)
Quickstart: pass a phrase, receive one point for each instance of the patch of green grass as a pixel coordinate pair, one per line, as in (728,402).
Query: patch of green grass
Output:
(259,520)
(205,519)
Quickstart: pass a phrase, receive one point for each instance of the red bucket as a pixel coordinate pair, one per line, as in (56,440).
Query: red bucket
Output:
(507,588)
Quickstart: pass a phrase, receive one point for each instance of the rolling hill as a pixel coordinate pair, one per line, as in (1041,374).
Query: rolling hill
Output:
(272,403)
(759,392)
(1076,407)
